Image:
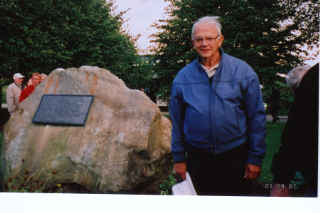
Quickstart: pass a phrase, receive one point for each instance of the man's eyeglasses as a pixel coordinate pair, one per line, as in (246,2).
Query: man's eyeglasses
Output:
(207,39)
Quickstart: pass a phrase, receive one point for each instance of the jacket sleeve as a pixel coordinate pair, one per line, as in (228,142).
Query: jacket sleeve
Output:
(10,100)
(256,120)
(176,109)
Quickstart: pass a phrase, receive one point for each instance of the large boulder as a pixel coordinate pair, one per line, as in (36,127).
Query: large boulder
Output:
(123,147)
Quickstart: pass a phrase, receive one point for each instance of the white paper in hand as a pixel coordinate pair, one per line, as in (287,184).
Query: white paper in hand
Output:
(185,187)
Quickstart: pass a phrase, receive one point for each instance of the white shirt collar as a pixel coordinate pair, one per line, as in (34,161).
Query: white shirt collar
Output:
(210,71)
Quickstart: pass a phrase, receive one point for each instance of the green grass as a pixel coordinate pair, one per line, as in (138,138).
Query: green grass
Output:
(273,138)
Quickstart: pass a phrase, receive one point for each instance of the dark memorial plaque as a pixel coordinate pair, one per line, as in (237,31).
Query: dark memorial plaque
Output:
(66,110)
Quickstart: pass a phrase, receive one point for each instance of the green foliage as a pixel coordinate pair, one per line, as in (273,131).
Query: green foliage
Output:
(273,139)
(41,35)
(165,187)
(3,94)
(142,73)
(252,31)
(24,183)
(286,93)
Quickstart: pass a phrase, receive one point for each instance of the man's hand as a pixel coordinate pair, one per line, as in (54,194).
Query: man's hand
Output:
(252,171)
(180,169)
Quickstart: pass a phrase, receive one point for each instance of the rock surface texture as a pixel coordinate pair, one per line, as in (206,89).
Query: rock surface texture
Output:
(124,146)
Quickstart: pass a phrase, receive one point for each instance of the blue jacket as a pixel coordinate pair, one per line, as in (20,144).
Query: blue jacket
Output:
(218,115)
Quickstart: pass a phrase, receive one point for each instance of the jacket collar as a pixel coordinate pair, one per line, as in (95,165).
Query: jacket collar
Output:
(224,70)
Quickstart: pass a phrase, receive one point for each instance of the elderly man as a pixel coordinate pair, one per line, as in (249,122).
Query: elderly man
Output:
(35,81)
(218,117)
(13,92)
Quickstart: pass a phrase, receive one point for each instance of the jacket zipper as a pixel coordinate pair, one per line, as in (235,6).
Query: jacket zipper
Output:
(211,137)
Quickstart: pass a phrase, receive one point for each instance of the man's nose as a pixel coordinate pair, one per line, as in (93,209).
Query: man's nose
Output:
(204,42)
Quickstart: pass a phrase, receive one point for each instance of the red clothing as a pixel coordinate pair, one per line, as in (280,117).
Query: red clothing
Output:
(26,92)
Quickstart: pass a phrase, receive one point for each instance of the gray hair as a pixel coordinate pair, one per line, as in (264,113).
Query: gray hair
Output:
(208,19)
(295,75)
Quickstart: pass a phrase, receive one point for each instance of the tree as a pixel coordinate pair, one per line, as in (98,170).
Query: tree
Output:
(41,35)
(266,34)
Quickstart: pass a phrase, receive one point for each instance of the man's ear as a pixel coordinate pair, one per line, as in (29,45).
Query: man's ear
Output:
(221,39)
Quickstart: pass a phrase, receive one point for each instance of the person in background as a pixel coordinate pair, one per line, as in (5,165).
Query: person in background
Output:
(218,117)
(35,81)
(299,141)
(43,76)
(13,92)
